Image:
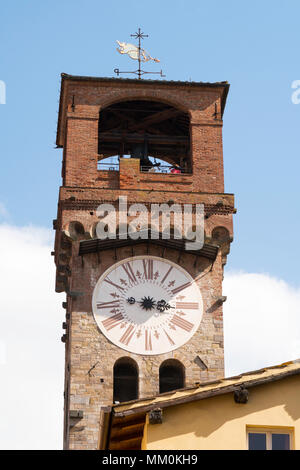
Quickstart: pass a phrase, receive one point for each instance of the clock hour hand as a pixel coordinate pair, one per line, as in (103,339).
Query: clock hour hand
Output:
(162,305)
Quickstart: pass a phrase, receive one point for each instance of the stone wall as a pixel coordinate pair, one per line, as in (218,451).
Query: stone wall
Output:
(89,349)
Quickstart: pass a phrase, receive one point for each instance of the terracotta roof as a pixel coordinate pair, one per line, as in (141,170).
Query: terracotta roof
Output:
(122,425)
(209,389)
(224,84)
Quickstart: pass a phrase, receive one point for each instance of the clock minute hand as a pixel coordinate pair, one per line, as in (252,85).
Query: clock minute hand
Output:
(162,305)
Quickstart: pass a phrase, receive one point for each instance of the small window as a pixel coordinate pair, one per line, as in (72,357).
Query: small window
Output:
(171,376)
(257,441)
(280,441)
(125,380)
(269,439)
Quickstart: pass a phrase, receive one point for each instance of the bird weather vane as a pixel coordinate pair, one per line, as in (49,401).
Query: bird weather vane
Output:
(136,53)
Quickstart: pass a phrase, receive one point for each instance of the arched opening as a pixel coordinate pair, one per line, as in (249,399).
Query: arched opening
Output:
(220,235)
(125,380)
(75,230)
(156,133)
(171,376)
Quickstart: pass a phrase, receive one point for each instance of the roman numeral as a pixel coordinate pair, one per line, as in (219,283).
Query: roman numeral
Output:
(180,288)
(113,321)
(125,339)
(148,268)
(113,284)
(187,305)
(166,275)
(128,270)
(181,323)
(169,338)
(110,304)
(148,342)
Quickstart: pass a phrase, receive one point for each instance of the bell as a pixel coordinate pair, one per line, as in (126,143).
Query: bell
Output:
(138,151)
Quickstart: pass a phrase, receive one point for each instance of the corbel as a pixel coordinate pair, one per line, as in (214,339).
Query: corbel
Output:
(155,416)
(241,395)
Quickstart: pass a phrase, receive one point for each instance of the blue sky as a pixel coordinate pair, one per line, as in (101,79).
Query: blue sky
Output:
(253,45)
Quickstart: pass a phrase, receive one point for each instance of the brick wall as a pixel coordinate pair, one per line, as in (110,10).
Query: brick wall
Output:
(80,126)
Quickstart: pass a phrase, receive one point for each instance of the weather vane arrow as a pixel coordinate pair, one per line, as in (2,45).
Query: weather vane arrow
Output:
(136,53)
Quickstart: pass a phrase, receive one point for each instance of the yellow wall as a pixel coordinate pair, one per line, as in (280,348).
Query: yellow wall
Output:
(220,423)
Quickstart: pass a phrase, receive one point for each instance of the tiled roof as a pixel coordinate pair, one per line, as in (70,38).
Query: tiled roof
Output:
(208,389)
(138,81)
(122,426)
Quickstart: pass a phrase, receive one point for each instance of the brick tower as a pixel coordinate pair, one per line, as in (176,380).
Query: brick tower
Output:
(143,316)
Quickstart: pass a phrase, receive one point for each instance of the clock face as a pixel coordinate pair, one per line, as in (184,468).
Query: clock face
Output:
(147,305)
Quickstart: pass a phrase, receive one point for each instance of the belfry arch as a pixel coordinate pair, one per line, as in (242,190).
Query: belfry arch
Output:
(145,129)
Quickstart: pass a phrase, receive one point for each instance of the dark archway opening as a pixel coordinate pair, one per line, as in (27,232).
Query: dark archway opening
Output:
(125,380)
(148,130)
(171,376)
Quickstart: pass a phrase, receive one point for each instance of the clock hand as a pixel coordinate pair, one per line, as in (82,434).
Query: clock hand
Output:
(162,305)
(148,303)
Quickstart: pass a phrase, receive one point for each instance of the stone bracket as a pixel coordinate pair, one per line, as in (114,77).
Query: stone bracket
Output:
(241,395)
(76,414)
(74,417)
(155,416)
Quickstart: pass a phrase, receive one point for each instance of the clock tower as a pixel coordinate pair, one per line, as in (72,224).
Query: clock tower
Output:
(143,308)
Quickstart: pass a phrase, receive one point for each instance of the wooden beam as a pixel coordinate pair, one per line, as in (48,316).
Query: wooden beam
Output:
(128,444)
(129,420)
(123,117)
(140,138)
(155,118)
(121,433)
(105,418)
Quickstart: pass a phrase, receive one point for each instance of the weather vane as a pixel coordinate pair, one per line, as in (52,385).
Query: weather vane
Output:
(136,53)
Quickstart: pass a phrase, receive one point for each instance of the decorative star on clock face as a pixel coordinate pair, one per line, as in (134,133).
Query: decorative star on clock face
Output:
(147,305)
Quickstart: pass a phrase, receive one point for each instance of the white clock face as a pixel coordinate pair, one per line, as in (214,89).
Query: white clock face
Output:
(147,305)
